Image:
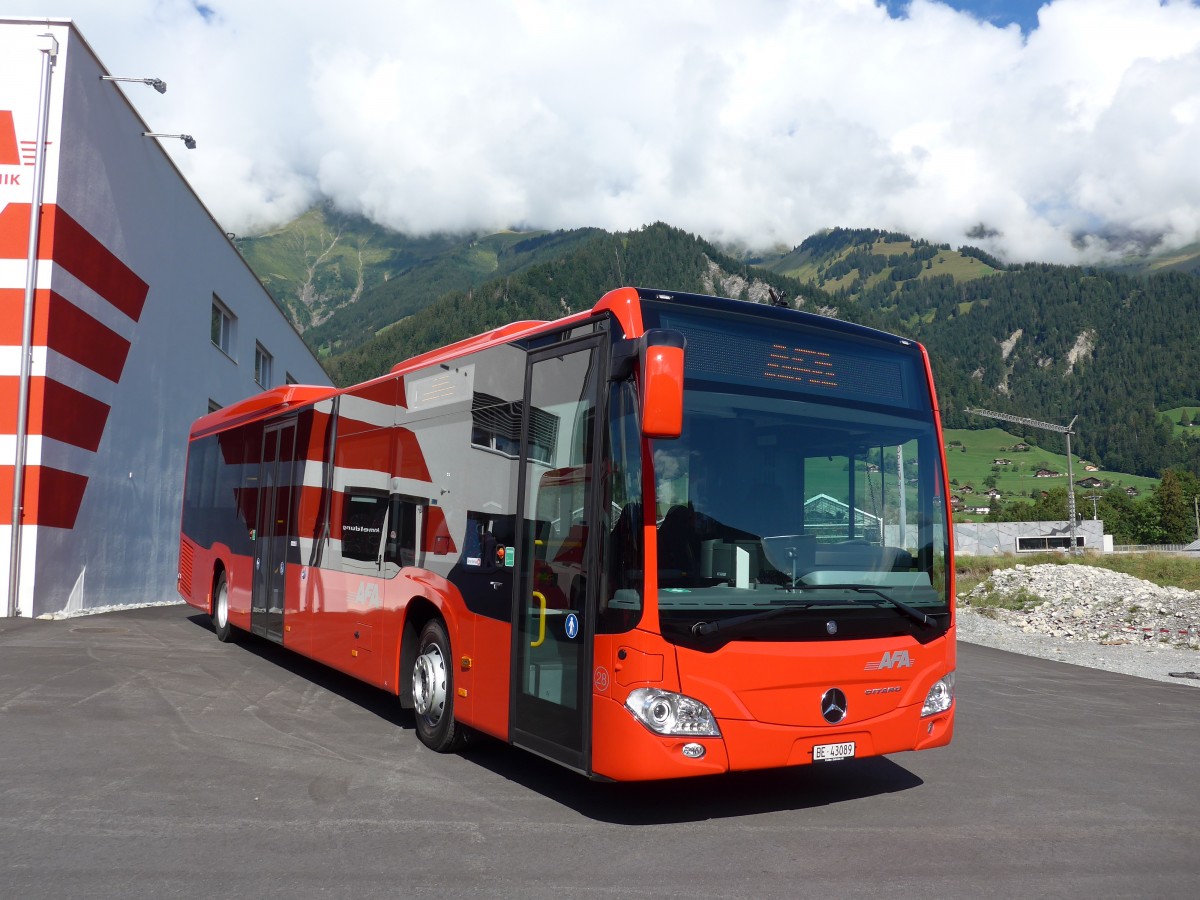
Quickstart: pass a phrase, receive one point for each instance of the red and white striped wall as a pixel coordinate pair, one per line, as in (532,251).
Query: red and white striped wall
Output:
(128,262)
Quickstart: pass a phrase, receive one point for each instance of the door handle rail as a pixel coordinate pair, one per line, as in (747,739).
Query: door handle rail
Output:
(540,597)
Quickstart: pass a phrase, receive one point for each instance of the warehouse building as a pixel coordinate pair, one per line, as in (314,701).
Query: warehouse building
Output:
(129,314)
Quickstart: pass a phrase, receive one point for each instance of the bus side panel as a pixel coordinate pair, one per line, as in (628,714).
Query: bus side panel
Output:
(219,511)
(239,578)
(194,584)
(458,429)
(480,646)
(339,587)
(346,620)
(304,591)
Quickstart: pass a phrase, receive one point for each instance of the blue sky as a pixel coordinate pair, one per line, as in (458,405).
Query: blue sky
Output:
(997,12)
(1066,141)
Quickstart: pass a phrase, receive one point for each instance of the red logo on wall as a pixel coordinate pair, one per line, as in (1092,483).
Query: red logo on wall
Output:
(9,155)
(12,151)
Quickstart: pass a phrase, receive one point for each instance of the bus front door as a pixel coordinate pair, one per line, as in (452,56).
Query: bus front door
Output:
(554,622)
(274,530)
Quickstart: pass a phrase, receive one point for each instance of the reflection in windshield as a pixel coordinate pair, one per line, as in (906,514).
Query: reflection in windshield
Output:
(764,496)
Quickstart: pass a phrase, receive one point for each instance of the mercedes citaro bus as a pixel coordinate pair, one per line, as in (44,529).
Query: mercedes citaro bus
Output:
(670,535)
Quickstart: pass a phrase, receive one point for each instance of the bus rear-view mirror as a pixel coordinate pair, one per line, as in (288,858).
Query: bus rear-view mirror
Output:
(661,381)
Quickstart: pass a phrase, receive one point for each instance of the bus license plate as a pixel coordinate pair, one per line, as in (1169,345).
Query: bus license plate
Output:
(833,752)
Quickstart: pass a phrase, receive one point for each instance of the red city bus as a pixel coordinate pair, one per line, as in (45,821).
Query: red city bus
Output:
(671,535)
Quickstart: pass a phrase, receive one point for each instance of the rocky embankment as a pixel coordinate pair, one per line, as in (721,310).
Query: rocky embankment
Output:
(1088,616)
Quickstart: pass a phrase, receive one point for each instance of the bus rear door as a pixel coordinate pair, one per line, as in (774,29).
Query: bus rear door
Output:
(274,529)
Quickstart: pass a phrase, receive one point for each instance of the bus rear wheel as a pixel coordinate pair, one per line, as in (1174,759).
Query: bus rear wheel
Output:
(220,613)
(433,691)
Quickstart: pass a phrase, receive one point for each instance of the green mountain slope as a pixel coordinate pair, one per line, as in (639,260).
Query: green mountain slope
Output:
(457,266)
(857,261)
(325,260)
(657,255)
(1043,341)
(1185,259)
(342,278)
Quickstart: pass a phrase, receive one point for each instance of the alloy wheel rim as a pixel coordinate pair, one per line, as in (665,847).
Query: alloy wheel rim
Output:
(429,685)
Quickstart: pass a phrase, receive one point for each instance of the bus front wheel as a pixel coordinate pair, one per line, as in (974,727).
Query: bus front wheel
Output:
(220,613)
(433,690)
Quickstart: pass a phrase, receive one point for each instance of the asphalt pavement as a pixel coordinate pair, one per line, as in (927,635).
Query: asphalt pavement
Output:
(142,758)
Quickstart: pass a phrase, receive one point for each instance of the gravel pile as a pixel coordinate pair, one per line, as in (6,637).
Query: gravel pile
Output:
(1088,616)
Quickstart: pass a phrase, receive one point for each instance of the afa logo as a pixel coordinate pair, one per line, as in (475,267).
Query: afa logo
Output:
(891,659)
(367,596)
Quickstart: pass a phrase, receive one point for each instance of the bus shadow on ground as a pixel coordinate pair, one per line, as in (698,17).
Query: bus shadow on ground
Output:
(697,799)
(370,698)
(638,803)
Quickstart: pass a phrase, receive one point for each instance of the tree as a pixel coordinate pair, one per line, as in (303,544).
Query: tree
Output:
(1173,499)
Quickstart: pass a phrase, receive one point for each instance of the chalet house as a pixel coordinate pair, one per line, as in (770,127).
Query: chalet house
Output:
(1131,491)
(994,493)
(1089,482)
(1020,448)
(1001,462)
(1047,473)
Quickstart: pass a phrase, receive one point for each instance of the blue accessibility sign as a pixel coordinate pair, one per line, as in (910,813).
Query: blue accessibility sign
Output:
(571,626)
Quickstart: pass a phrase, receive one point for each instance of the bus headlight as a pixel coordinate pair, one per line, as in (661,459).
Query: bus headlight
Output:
(940,696)
(665,712)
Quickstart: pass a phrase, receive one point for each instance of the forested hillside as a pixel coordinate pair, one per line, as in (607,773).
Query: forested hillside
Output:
(1049,342)
(655,256)
(343,278)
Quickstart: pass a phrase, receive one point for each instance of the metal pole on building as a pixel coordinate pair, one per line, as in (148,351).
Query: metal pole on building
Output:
(49,49)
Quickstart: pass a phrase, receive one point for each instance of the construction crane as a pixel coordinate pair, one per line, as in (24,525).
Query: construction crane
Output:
(1046,426)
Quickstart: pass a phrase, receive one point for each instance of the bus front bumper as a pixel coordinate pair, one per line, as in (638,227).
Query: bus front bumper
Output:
(625,750)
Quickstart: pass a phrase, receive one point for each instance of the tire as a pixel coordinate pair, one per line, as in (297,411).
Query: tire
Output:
(220,613)
(433,691)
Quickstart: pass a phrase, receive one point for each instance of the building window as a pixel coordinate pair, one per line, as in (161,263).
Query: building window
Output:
(262,366)
(222,326)
(1043,544)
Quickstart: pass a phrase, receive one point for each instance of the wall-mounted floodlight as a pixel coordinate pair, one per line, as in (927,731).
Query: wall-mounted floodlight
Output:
(157,83)
(188,140)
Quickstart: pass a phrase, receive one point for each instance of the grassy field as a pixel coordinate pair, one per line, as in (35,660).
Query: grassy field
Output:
(1164,569)
(1173,416)
(947,262)
(971,457)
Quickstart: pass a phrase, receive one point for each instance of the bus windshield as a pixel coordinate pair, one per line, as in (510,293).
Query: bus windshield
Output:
(802,501)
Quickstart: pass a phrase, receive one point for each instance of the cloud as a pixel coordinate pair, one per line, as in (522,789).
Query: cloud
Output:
(759,122)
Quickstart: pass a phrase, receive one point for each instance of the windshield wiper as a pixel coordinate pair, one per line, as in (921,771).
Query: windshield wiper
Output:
(703,628)
(911,611)
(706,628)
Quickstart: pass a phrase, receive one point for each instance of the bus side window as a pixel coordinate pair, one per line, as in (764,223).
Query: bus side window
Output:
(363,519)
(400,550)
